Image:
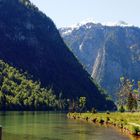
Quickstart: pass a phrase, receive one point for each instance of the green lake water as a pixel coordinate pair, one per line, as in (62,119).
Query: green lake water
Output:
(53,126)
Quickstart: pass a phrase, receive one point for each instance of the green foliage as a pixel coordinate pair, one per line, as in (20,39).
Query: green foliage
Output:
(135,130)
(130,102)
(128,96)
(135,104)
(18,92)
(121,109)
(129,122)
(107,112)
(82,103)
(122,79)
(136,91)
(78,105)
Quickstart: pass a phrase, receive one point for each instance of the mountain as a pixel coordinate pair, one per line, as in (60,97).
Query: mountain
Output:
(107,50)
(30,41)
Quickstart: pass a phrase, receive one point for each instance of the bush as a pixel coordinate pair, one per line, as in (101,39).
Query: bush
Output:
(107,112)
(121,109)
(135,130)
(100,120)
(107,119)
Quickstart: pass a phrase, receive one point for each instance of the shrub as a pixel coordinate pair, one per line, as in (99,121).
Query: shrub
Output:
(107,119)
(121,109)
(135,130)
(100,120)
(107,112)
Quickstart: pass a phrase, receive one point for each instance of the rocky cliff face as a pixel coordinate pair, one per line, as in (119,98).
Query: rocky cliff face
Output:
(107,52)
(30,41)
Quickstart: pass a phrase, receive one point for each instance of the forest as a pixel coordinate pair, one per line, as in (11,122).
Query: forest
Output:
(19,92)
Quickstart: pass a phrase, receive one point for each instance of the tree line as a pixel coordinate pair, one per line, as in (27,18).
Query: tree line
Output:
(19,92)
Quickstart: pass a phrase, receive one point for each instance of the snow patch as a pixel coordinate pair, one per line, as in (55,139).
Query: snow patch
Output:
(90,20)
(66,31)
(82,23)
(81,47)
(87,23)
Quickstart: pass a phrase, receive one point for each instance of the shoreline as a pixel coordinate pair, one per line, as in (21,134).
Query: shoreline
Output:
(105,119)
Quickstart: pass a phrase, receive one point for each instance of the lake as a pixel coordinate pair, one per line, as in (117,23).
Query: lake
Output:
(53,126)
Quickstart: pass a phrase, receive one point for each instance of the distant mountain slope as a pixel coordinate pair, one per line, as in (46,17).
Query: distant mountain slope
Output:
(107,51)
(30,41)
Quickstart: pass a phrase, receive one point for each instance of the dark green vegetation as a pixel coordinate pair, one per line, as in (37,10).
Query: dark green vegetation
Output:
(19,92)
(30,41)
(129,122)
(107,52)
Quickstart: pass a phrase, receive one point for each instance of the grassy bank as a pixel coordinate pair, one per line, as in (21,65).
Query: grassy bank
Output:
(128,122)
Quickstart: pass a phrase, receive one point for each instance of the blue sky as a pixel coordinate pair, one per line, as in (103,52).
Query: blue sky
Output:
(67,12)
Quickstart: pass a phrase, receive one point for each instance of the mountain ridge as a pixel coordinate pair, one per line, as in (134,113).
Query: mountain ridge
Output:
(30,41)
(107,52)
(89,22)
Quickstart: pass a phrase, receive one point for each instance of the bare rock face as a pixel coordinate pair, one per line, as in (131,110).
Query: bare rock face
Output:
(106,51)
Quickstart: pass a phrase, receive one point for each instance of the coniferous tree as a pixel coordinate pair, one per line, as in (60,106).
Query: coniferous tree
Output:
(128,96)
(130,102)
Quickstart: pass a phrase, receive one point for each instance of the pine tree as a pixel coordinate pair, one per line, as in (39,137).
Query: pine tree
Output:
(130,102)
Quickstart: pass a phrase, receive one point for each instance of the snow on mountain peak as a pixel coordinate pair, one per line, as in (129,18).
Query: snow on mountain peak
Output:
(84,22)
(69,29)
(88,24)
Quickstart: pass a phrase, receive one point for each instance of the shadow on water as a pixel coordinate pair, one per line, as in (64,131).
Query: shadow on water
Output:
(28,137)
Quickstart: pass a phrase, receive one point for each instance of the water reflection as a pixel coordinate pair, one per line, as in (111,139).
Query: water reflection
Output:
(53,126)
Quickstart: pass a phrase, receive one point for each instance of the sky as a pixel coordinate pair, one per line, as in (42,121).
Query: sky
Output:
(67,12)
